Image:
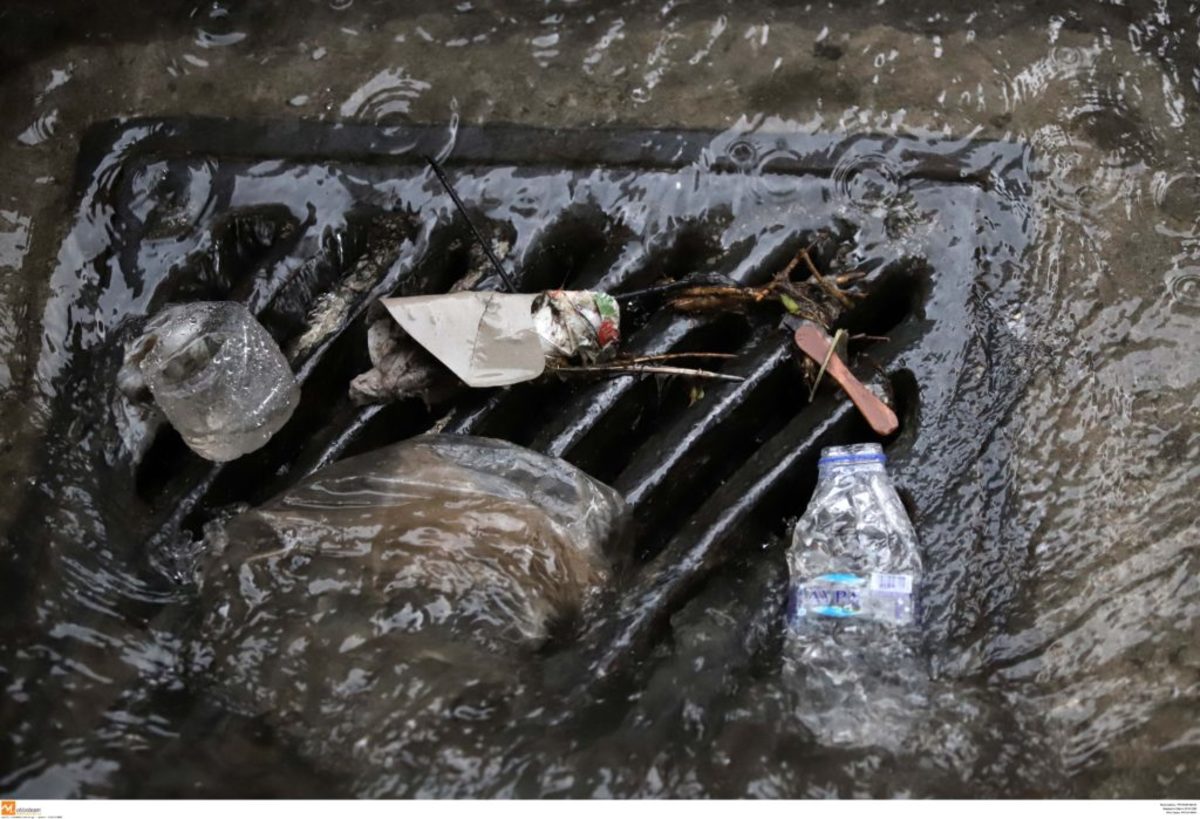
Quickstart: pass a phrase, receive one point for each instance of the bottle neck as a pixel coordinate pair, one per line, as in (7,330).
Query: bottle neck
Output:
(837,460)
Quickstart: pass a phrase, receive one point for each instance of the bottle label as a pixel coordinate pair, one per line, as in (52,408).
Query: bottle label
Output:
(884,597)
(898,583)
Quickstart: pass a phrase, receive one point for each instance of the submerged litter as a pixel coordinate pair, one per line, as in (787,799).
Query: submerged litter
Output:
(215,373)
(477,538)
(855,570)
(854,551)
(378,612)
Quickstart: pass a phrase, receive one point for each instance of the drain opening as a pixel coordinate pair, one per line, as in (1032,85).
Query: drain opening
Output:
(244,240)
(766,481)
(574,251)
(289,301)
(683,466)
(452,260)
(523,413)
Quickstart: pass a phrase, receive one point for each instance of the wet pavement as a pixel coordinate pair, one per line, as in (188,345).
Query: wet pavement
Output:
(1059,647)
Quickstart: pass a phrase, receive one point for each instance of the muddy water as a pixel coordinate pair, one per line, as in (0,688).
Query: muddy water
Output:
(1065,660)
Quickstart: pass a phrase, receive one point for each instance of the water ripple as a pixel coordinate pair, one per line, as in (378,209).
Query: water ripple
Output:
(869,182)
(218,31)
(1184,286)
(40,130)
(385,99)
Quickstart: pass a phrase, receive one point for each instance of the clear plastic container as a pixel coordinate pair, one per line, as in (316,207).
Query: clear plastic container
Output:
(854,552)
(851,650)
(217,375)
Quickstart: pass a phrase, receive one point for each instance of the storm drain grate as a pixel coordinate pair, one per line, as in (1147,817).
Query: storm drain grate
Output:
(308,224)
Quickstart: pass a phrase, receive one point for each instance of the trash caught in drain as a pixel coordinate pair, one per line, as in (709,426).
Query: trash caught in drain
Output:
(495,339)
(513,540)
(855,573)
(216,374)
(814,342)
(491,339)
(472,540)
(854,552)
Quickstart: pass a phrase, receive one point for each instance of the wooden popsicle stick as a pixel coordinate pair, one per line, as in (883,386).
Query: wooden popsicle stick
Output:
(815,343)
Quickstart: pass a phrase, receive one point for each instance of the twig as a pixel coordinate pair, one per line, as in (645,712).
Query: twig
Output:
(837,336)
(728,292)
(822,282)
(697,280)
(786,273)
(640,369)
(793,295)
(645,359)
(462,209)
(843,279)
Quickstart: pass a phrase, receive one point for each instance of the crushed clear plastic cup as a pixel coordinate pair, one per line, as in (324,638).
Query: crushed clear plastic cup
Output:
(216,374)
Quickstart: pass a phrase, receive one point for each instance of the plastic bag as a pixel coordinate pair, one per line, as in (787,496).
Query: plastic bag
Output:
(480,539)
(379,611)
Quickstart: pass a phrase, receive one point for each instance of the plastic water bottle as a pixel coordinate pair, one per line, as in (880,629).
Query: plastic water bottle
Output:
(216,374)
(853,665)
(854,552)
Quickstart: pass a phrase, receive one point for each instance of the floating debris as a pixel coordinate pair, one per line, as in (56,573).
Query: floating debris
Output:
(814,342)
(855,568)
(491,339)
(217,375)
(807,298)
(400,368)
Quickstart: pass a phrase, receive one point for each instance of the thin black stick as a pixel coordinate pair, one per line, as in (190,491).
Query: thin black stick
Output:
(462,209)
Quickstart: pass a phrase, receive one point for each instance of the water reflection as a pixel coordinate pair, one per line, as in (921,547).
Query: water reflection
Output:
(217,28)
(1184,286)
